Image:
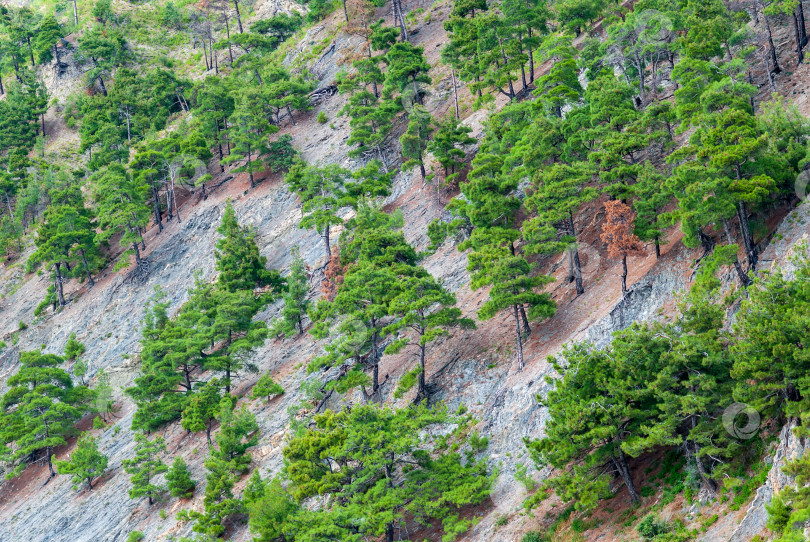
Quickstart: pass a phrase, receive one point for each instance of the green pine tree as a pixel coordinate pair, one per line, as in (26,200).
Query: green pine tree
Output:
(85,463)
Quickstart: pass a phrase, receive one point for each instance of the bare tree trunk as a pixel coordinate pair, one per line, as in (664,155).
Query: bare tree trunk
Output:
(574,255)
(750,249)
(455,91)
(75,14)
(621,465)
(238,16)
(326,244)
(624,275)
(138,260)
(57,282)
(745,280)
(518,339)
(87,268)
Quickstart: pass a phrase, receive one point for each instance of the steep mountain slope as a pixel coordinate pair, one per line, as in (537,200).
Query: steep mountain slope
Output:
(474,368)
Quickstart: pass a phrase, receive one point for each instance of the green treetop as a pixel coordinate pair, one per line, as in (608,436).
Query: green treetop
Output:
(178,480)
(426,312)
(145,466)
(296,303)
(202,409)
(85,463)
(40,409)
(121,207)
(240,265)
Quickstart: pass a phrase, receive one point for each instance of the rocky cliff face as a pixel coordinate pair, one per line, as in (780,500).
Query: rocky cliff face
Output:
(475,368)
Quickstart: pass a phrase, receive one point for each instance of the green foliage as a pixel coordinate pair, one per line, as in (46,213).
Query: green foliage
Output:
(73,348)
(135,536)
(296,303)
(85,463)
(39,410)
(238,261)
(178,480)
(145,466)
(266,387)
(389,450)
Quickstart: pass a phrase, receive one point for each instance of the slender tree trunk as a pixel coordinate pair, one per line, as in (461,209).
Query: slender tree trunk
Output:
(745,280)
(455,91)
(138,260)
(75,13)
(289,113)
(799,49)
(205,54)
(250,170)
(624,275)
(657,248)
(228,37)
(750,248)
(345,12)
(300,325)
(624,470)
(422,392)
(574,255)
(326,245)
(227,378)
(238,16)
(42,118)
(58,284)
(802,27)
(156,206)
(49,453)
(87,268)
(30,50)
(103,86)
(2,90)
(518,338)
(90,483)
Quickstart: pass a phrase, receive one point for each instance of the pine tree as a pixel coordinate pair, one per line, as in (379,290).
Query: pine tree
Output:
(40,409)
(296,303)
(407,68)
(266,387)
(164,367)
(598,409)
(85,463)
(249,131)
(617,232)
(178,480)
(426,311)
(493,262)
(321,190)
(449,136)
(202,408)
(145,466)
(406,476)
(240,265)
(559,192)
(416,139)
(121,206)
